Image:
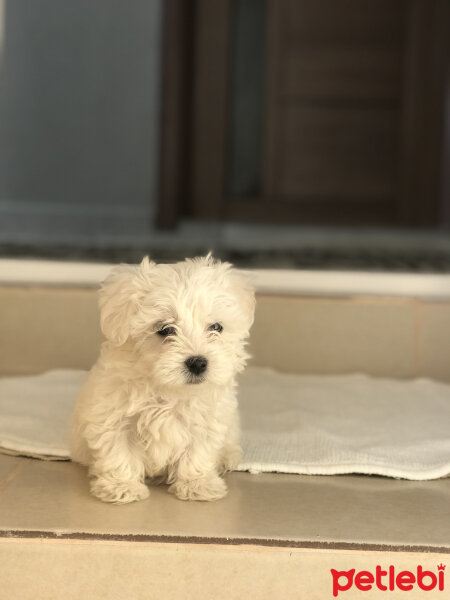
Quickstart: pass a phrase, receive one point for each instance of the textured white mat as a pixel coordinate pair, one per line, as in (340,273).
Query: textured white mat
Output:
(35,412)
(319,425)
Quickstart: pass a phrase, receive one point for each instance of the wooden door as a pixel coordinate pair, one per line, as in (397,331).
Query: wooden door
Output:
(349,111)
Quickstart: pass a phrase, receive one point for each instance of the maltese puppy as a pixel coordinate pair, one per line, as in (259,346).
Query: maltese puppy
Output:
(161,400)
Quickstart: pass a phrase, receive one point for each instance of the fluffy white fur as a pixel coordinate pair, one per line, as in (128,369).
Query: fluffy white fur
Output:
(141,412)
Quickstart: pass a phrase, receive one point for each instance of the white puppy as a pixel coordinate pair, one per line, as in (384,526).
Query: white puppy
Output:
(160,401)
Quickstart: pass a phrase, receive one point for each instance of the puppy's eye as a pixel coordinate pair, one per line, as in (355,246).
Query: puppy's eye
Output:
(216,327)
(165,331)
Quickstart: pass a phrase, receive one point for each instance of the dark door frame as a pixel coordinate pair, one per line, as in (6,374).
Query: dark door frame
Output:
(177,73)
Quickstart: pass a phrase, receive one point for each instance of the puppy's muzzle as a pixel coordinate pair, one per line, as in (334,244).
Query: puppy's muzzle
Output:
(196,364)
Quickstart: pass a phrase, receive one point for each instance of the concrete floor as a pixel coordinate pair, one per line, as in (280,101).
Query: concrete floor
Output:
(274,536)
(52,499)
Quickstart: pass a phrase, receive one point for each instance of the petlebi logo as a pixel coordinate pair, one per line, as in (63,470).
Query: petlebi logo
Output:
(389,579)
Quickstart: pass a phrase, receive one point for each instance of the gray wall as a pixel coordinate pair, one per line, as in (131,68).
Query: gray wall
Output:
(79,117)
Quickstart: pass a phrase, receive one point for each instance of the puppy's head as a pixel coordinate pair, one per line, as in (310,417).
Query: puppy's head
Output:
(187,322)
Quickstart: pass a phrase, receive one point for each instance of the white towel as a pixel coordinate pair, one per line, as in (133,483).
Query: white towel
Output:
(318,425)
(35,412)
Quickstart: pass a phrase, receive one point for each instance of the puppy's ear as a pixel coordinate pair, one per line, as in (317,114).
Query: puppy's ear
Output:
(119,300)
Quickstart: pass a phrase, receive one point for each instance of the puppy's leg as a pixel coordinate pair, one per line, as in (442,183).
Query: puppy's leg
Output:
(195,475)
(117,475)
(231,453)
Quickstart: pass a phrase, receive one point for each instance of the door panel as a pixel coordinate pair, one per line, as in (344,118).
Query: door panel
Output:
(317,111)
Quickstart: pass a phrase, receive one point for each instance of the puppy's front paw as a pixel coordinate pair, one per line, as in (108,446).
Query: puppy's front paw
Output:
(119,492)
(230,459)
(207,488)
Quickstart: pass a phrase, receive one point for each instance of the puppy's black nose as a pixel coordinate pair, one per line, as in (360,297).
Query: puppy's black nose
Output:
(196,364)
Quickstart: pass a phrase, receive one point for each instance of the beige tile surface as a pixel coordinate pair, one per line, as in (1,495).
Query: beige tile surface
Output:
(433,358)
(318,335)
(80,570)
(9,468)
(44,328)
(364,510)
